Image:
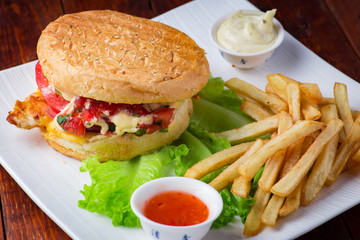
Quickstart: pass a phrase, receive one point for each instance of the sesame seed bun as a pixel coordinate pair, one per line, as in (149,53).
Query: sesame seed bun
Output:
(119,58)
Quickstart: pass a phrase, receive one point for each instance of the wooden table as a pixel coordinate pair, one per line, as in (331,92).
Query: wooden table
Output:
(330,28)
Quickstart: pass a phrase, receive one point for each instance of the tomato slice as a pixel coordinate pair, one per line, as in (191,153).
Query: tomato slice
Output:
(72,124)
(161,120)
(163,117)
(55,101)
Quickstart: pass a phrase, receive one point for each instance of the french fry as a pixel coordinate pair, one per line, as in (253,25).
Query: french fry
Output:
(217,160)
(251,131)
(271,170)
(241,187)
(281,77)
(344,152)
(245,98)
(293,178)
(253,220)
(293,93)
(279,82)
(356,156)
(326,101)
(311,92)
(323,163)
(272,209)
(294,152)
(255,110)
(231,172)
(293,155)
(343,107)
(285,122)
(308,140)
(274,164)
(292,202)
(308,111)
(270,89)
(282,141)
(355,113)
(247,89)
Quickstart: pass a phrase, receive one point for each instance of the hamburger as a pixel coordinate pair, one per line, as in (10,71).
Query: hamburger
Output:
(112,84)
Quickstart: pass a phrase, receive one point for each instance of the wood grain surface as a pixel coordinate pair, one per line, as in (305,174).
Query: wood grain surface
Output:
(330,28)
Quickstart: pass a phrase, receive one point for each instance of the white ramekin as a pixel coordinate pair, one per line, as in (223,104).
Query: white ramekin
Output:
(158,231)
(246,60)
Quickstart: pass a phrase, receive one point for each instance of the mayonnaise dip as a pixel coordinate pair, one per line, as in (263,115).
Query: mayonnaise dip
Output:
(248,31)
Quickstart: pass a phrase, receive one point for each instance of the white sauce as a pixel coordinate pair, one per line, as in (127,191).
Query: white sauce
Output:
(247,31)
(124,122)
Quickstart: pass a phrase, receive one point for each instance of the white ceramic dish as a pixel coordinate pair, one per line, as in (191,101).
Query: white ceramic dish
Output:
(246,60)
(201,190)
(53,181)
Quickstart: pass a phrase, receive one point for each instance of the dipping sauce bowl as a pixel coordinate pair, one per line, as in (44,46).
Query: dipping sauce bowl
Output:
(246,60)
(202,191)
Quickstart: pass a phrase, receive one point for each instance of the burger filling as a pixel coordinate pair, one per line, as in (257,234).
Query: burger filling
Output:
(81,115)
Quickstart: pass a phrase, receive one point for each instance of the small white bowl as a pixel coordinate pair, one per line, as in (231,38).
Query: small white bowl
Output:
(246,60)
(159,231)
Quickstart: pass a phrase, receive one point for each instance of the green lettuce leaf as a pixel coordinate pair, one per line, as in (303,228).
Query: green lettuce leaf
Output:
(113,182)
(255,180)
(213,143)
(217,109)
(233,206)
(215,92)
(197,152)
(215,118)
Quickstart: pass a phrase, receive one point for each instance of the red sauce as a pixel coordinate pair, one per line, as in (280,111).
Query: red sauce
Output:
(176,209)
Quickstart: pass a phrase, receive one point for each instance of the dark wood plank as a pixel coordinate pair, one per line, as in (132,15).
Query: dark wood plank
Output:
(334,229)
(146,9)
(21,25)
(347,14)
(352,220)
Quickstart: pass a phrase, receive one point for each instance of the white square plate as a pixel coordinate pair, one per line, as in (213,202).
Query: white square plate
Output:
(53,181)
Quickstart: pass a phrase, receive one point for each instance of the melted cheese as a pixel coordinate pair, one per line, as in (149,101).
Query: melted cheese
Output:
(54,130)
(124,122)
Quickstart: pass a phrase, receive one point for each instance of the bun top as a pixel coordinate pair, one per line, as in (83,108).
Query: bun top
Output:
(115,57)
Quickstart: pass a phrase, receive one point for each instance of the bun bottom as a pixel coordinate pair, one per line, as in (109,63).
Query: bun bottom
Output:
(123,147)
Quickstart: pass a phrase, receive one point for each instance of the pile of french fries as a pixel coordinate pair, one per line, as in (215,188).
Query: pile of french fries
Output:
(313,140)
